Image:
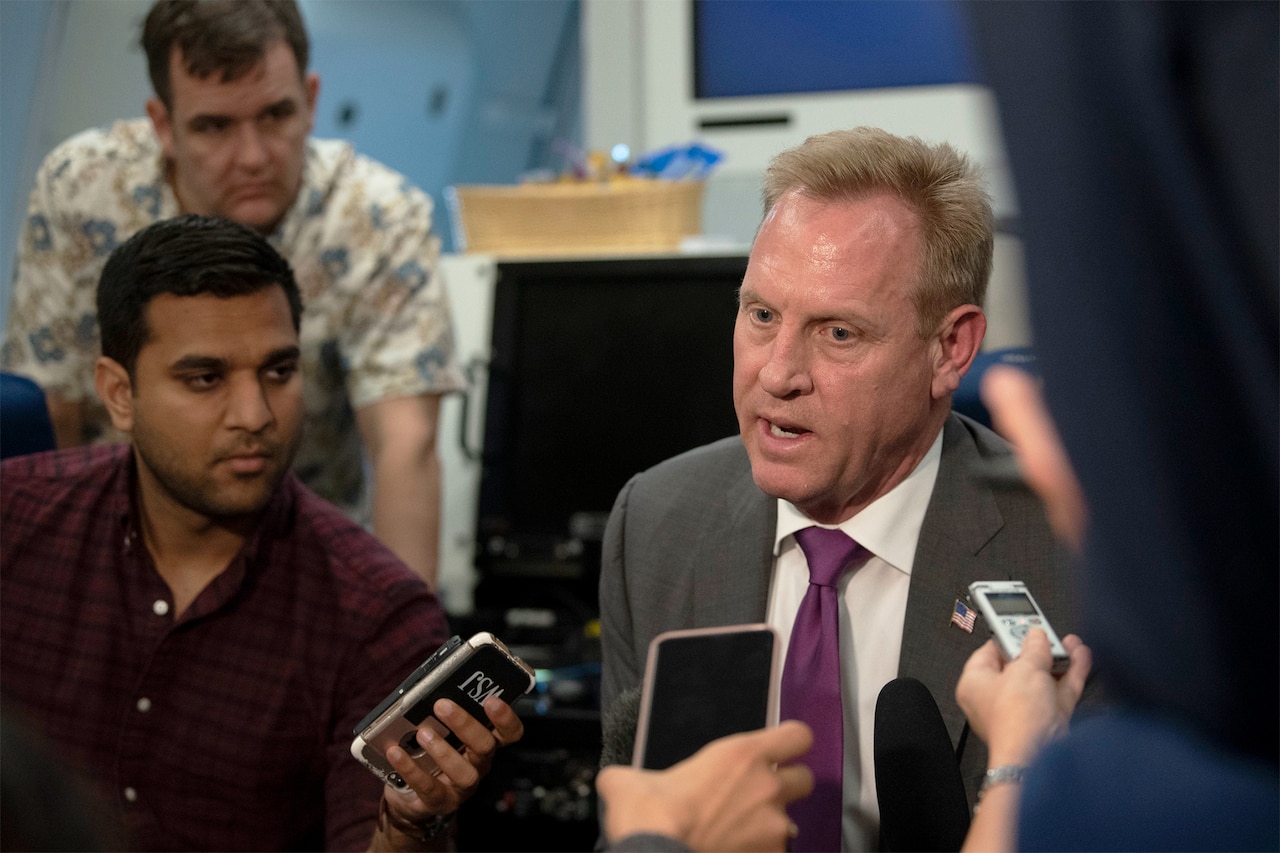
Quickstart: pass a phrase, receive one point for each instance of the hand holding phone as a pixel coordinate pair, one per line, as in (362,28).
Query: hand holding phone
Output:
(1010,612)
(466,673)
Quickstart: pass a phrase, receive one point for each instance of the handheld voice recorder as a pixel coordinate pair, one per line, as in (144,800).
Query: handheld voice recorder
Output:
(1010,612)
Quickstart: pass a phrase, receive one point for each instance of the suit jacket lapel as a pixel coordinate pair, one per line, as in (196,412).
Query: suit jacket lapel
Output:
(961,518)
(732,566)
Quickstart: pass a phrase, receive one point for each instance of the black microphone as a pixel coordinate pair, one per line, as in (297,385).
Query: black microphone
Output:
(918,782)
(618,735)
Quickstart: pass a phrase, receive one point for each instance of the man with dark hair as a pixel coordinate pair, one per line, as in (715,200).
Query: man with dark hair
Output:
(846,513)
(228,135)
(211,41)
(144,268)
(191,626)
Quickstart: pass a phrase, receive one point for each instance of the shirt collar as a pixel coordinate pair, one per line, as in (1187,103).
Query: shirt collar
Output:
(277,520)
(888,527)
(309,201)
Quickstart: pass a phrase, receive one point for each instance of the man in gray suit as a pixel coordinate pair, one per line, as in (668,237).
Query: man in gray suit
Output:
(859,313)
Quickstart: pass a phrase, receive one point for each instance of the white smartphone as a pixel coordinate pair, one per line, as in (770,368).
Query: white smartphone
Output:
(1010,612)
(701,684)
(467,673)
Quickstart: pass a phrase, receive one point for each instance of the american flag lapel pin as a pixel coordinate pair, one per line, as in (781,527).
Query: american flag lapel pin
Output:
(963,616)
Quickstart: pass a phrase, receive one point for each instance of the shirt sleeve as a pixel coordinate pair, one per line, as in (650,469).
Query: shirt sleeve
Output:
(392,648)
(397,339)
(52,334)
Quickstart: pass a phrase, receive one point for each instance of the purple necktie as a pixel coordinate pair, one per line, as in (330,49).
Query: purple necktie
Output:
(811,687)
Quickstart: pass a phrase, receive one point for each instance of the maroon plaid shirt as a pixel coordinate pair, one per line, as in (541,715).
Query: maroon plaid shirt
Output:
(228,728)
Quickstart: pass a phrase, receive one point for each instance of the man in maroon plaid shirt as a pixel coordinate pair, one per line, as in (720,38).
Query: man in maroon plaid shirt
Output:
(190,626)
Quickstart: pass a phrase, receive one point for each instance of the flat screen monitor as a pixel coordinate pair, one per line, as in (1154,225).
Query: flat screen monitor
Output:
(784,47)
(751,78)
(599,370)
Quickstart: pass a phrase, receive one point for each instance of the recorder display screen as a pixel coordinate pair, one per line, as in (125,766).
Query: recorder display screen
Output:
(1011,604)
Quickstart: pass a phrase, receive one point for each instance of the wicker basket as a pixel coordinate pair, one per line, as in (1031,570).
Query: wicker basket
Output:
(607,217)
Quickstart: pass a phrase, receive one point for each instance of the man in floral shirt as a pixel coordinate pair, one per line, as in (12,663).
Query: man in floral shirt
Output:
(228,134)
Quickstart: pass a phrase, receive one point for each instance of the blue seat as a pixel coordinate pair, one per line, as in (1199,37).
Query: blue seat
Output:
(967,401)
(24,417)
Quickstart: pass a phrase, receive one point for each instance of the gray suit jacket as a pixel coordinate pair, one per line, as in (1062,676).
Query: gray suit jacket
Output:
(690,544)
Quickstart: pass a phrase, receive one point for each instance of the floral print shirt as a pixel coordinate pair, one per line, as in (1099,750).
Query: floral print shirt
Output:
(375,324)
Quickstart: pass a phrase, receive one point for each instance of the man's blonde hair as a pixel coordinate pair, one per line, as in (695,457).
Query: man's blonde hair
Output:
(938,182)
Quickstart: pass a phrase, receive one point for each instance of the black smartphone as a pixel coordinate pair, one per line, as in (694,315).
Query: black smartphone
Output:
(701,684)
(467,673)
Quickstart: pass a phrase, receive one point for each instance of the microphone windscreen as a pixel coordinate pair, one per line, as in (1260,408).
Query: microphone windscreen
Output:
(918,782)
(618,736)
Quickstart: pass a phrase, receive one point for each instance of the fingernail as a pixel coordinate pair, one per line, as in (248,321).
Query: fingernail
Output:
(394,753)
(426,736)
(446,706)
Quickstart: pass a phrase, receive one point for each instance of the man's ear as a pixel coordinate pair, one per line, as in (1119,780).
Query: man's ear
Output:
(954,347)
(112,383)
(162,124)
(312,85)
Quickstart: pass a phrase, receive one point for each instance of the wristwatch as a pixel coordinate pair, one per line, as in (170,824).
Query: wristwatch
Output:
(998,775)
(422,832)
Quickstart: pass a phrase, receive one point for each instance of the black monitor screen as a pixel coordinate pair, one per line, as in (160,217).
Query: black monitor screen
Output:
(599,370)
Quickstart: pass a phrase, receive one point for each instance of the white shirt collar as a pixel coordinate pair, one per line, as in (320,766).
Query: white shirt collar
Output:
(889,526)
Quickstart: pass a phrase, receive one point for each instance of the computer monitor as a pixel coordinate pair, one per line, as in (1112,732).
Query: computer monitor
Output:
(599,370)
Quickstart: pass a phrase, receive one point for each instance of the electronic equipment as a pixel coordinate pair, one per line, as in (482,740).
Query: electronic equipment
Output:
(919,786)
(701,684)
(466,673)
(599,369)
(1010,612)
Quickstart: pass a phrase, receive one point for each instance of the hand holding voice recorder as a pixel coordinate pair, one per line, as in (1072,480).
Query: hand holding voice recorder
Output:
(1010,612)
(466,673)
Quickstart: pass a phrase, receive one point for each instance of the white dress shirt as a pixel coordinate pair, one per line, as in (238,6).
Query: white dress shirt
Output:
(873,606)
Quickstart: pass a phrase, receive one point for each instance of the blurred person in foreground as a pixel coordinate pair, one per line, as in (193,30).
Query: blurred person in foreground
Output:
(227,133)
(1145,145)
(1020,709)
(181,618)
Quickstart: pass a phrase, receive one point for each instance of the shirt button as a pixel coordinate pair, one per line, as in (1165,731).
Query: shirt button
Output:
(144,704)
(131,795)
(161,607)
